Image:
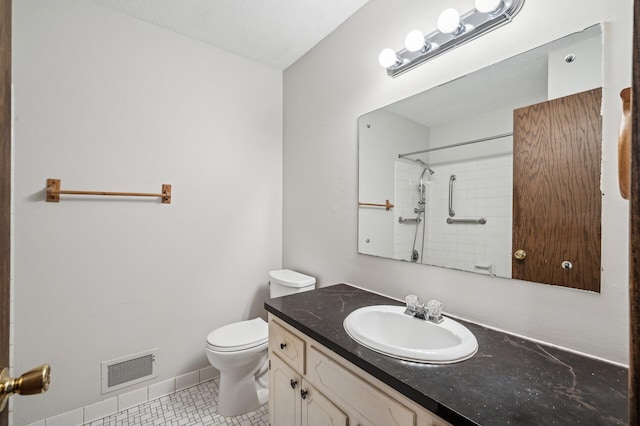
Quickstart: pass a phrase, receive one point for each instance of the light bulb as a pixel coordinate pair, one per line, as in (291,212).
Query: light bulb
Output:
(489,6)
(449,21)
(414,41)
(388,58)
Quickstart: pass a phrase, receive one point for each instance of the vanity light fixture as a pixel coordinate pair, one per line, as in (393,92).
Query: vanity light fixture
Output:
(453,30)
(388,58)
(449,22)
(414,42)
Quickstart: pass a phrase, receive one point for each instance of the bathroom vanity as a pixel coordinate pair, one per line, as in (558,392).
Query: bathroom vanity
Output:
(318,372)
(310,385)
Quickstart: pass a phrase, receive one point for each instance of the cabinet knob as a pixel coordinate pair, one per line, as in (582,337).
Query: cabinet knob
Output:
(283,345)
(303,393)
(293,383)
(520,254)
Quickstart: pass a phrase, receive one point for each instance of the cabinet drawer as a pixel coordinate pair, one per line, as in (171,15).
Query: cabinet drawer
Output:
(287,346)
(372,406)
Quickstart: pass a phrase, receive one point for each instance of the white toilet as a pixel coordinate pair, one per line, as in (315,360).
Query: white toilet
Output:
(239,351)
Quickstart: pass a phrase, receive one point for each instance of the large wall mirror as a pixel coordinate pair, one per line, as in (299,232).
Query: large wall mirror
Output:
(497,172)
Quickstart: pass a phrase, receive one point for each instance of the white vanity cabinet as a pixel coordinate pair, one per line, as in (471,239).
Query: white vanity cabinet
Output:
(293,401)
(311,385)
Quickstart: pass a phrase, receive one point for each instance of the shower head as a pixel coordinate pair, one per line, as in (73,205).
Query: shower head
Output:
(425,165)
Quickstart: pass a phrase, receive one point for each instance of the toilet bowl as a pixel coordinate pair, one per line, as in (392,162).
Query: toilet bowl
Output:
(239,351)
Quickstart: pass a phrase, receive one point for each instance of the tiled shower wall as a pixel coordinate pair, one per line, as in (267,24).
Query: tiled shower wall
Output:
(482,189)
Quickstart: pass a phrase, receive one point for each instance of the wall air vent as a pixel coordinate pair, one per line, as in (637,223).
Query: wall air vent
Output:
(129,370)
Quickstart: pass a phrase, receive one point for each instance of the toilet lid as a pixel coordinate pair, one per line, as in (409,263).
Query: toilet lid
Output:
(239,335)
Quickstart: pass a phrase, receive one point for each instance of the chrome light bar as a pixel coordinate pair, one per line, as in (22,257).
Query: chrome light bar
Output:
(471,25)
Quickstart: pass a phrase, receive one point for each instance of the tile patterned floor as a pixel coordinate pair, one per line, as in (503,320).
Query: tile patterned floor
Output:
(195,406)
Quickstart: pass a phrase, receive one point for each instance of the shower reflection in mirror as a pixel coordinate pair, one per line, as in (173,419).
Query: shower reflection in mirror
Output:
(416,230)
(409,151)
(419,211)
(483,181)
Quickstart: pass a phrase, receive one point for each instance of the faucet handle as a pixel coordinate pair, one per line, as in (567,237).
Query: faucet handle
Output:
(412,301)
(435,310)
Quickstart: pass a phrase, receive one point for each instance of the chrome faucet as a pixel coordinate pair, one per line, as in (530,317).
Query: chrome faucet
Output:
(414,308)
(432,311)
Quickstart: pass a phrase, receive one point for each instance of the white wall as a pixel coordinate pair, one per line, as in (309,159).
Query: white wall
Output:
(488,124)
(377,169)
(339,80)
(106,102)
(584,73)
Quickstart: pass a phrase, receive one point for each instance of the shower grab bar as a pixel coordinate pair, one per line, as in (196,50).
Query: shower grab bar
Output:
(480,221)
(387,205)
(451,179)
(409,219)
(54,192)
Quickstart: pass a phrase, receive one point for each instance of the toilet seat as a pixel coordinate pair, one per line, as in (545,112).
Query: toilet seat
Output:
(239,336)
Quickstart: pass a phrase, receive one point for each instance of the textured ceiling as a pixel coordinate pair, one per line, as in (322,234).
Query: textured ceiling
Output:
(272,32)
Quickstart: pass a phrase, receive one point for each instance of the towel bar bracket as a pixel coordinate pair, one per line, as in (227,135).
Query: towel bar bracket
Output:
(166,193)
(53,190)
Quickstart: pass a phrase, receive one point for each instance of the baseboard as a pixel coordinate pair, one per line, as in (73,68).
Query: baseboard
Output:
(116,404)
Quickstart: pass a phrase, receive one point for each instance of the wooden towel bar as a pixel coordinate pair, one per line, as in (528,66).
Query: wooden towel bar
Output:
(54,192)
(387,205)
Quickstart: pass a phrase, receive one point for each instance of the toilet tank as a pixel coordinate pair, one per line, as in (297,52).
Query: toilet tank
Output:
(283,282)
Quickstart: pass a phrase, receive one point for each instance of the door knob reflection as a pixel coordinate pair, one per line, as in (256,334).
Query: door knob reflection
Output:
(520,254)
(32,382)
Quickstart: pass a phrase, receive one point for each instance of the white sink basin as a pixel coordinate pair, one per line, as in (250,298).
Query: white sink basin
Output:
(388,330)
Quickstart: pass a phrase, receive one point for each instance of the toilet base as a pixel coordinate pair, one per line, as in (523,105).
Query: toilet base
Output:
(243,393)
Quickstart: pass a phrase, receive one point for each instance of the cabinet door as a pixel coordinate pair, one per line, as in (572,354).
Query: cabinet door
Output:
(373,407)
(319,411)
(284,394)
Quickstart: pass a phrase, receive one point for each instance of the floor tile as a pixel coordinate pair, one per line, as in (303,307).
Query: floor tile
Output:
(194,406)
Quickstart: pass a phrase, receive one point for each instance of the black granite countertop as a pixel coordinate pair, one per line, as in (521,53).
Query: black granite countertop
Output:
(510,381)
